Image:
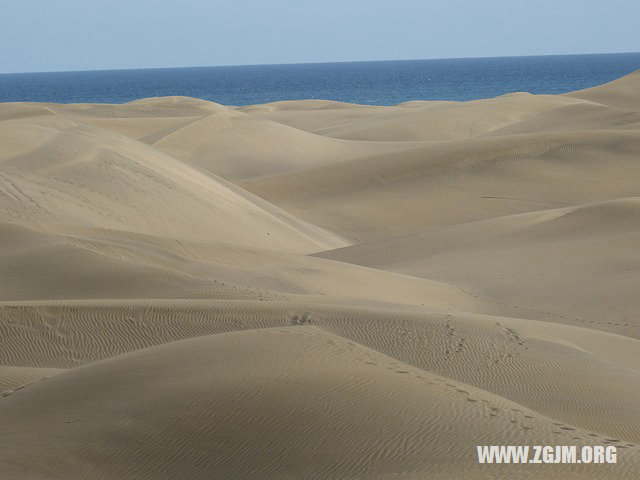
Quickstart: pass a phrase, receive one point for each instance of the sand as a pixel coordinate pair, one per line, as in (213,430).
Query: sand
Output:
(314,289)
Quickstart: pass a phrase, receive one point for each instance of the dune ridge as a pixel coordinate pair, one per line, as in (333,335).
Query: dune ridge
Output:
(316,289)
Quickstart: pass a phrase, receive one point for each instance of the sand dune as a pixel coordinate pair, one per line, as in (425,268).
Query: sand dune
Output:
(85,176)
(308,399)
(621,93)
(409,121)
(315,289)
(15,378)
(581,116)
(576,265)
(237,146)
(551,357)
(98,264)
(309,115)
(448,121)
(145,108)
(448,183)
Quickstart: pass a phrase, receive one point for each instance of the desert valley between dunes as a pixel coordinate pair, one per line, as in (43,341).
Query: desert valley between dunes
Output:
(319,290)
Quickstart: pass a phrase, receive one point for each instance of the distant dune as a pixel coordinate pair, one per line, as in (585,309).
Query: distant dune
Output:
(314,289)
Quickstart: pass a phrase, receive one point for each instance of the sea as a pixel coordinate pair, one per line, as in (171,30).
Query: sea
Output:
(373,83)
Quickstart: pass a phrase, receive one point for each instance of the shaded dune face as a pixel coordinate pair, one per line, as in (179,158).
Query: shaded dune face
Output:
(314,289)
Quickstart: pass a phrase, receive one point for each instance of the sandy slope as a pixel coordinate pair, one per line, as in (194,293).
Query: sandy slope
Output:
(80,175)
(621,93)
(448,183)
(303,403)
(230,143)
(448,121)
(93,264)
(314,289)
(409,121)
(575,265)
(491,353)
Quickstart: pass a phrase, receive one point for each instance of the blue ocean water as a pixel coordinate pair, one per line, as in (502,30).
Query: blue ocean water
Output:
(376,83)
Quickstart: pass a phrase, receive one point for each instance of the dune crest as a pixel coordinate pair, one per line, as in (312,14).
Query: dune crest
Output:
(621,93)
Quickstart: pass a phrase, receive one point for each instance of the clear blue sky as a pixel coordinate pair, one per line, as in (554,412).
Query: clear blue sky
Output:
(58,35)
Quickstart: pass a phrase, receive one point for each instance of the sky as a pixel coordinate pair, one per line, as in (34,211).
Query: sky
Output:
(62,35)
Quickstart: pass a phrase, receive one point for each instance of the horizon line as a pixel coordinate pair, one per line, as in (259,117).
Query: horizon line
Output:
(315,63)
